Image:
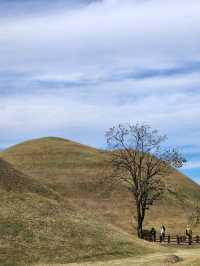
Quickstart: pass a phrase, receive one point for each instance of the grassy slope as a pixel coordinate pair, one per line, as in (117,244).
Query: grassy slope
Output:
(38,225)
(74,169)
(60,214)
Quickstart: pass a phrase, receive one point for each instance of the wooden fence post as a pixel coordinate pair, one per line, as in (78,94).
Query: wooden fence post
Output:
(178,239)
(168,239)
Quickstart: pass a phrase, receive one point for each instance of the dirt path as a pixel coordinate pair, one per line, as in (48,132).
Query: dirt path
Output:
(189,256)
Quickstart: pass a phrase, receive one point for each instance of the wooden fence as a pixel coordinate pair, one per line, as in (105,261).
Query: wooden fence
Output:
(174,239)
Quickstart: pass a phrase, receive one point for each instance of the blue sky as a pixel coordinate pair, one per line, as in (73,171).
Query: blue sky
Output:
(75,68)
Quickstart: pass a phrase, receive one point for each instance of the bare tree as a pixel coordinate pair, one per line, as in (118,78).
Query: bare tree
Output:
(138,160)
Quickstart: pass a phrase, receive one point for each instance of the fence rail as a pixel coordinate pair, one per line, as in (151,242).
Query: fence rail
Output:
(174,239)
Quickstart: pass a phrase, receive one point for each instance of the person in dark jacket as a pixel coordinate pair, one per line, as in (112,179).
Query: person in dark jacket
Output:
(153,234)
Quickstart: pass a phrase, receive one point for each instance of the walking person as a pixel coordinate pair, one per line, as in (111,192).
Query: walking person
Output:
(188,232)
(162,233)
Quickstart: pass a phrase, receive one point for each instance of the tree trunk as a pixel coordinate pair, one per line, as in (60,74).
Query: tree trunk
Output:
(140,219)
(139,230)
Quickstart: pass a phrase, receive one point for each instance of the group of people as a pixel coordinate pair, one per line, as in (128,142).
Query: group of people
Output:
(188,233)
(162,234)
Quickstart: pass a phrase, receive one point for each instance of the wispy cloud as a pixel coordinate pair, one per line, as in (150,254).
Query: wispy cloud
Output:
(100,36)
(76,70)
(192,165)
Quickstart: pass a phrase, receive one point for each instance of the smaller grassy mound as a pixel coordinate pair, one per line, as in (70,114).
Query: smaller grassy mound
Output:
(38,225)
(35,229)
(13,180)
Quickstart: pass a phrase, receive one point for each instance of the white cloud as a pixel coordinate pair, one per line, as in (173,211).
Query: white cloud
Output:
(82,66)
(126,34)
(173,111)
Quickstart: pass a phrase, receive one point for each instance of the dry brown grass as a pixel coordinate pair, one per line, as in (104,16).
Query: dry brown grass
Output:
(39,225)
(85,221)
(73,170)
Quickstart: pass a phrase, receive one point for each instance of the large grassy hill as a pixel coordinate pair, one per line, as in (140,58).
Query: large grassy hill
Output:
(74,171)
(38,225)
